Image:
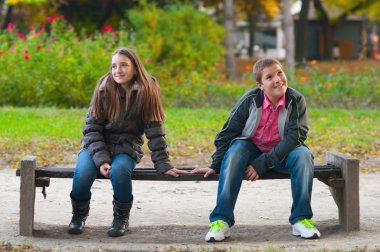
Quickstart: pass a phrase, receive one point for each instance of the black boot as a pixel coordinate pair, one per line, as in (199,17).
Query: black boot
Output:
(120,218)
(80,213)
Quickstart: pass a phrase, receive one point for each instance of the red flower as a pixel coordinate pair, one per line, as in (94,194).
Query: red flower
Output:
(38,47)
(50,20)
(53,39)
(31,28)
(55,15)
(26,51)
(20,35)
(26,57)
(78,41)
(148,61)
(10,26)
(108,28)
(1,52)
(62,17)
(43,26)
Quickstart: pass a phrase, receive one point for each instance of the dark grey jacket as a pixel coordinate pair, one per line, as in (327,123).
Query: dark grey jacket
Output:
(245,118)
(104,139)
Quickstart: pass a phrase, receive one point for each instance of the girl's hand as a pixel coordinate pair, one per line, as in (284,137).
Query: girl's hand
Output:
(105,169)
(207,171)
(175,172)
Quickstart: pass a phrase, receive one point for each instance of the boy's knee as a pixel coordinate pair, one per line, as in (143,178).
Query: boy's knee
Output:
(302,154)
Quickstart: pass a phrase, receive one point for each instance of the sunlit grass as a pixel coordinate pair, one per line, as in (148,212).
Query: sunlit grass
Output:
(54,134)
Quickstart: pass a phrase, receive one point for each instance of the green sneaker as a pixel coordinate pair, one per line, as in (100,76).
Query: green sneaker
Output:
(219,230)
(306,229)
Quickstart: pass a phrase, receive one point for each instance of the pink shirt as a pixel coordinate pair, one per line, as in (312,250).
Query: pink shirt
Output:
(267,135)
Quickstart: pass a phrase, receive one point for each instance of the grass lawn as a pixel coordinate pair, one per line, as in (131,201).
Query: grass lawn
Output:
(54,134)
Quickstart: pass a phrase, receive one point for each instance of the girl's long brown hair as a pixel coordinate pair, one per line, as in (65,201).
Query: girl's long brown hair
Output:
(148,102)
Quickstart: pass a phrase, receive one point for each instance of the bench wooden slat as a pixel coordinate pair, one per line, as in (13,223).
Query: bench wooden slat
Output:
(322,172)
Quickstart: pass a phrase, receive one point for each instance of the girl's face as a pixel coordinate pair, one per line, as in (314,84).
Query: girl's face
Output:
(122,69)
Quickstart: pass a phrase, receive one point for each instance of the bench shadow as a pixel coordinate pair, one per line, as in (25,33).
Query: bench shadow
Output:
(181,234)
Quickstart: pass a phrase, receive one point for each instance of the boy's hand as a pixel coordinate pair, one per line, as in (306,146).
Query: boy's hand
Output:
(207,171)
(175,172)
(251,174)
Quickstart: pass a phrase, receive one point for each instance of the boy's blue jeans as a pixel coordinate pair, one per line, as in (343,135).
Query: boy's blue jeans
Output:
(85,173)
(299,164)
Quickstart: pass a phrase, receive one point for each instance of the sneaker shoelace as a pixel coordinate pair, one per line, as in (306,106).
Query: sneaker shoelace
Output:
(308,223)
(216,226)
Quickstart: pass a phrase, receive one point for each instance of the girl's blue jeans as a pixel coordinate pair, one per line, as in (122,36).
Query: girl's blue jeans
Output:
(85,174)
(299,164)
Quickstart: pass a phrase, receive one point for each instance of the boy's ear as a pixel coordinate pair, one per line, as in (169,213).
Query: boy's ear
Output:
(259,85)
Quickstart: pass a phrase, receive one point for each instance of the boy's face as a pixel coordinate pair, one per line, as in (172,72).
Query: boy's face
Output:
(273,82)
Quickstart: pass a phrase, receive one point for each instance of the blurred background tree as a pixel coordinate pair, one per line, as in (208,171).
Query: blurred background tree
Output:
(329,14)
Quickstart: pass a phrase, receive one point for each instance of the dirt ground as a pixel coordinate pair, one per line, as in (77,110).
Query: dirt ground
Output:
(167,214)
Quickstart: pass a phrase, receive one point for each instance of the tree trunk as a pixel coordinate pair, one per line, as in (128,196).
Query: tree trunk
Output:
(289,33)
(8,17)
(106,13)
(327,31)
(231,70)
(302,33)
(252,29)
(68,10)
(1,8)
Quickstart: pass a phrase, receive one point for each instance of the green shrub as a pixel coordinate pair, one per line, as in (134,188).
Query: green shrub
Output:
(340,89)
(184,51)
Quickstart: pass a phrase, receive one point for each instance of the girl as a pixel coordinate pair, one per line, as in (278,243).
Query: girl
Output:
(125,105)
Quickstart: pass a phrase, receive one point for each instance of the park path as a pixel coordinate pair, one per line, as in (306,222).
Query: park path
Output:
(169,214)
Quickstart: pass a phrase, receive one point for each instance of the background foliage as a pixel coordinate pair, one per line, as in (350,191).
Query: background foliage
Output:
(55,65)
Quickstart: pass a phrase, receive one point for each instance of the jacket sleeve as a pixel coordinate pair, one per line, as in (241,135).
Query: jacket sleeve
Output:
(93,139)
(155,133)
(232,128)
(296,135)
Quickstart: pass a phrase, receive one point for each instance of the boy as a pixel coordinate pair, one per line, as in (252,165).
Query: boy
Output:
(265,131)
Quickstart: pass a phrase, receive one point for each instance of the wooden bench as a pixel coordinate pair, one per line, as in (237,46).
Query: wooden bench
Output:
(340,173)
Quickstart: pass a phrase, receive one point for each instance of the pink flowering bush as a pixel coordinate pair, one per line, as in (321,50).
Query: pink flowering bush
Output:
(55,65)
(51,65)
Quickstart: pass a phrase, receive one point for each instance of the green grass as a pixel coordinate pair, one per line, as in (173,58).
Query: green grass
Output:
(54,134)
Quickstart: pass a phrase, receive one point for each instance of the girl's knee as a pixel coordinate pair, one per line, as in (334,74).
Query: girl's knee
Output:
(121,171)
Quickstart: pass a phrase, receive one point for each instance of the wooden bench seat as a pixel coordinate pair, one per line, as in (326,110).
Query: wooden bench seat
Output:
(340,173)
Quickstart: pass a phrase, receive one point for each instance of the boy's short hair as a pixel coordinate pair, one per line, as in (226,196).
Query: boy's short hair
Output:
(259,66)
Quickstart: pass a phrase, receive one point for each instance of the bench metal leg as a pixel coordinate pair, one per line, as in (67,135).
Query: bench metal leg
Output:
(347,198)
(27,195)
